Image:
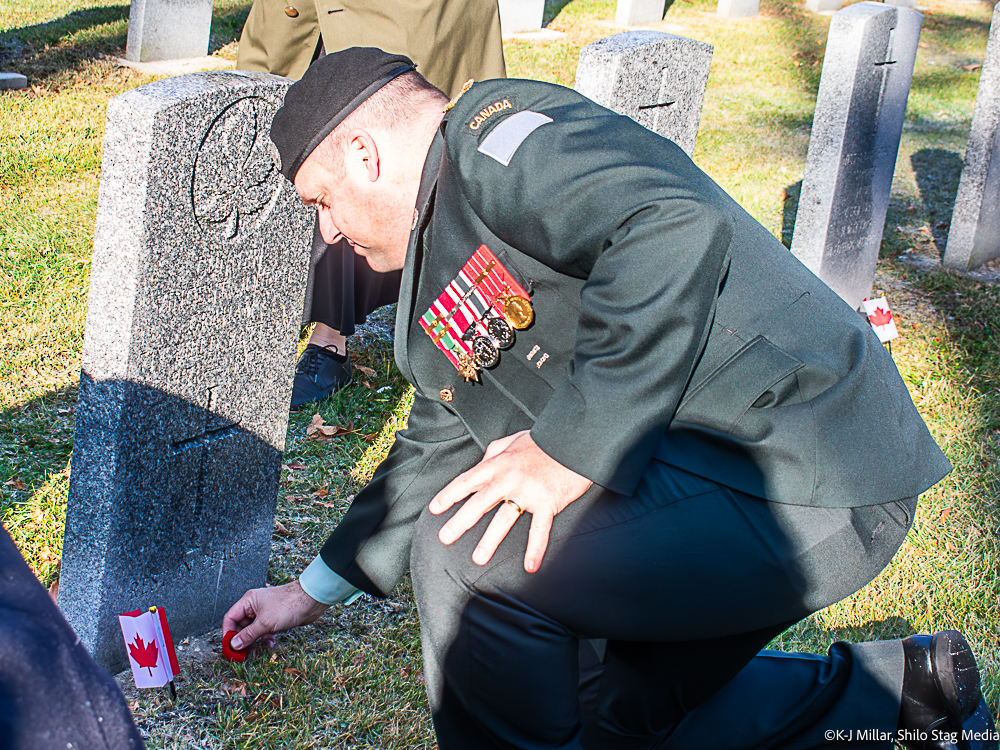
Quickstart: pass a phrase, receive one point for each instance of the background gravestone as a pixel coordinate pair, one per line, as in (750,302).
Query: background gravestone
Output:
(738,8)
(521,15)
(168,29)
(635,12)
(852,150)
(824,6)
(974,236)
(656,79)
(201,252)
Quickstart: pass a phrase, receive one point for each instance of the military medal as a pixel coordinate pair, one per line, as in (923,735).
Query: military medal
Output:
(468,368)
(501,332)
(475,317)
(485,351)
(517,310)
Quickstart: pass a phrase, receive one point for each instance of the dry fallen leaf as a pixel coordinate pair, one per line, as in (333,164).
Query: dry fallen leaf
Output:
(294,672)
(944,515)
(366,370)
(919,587)
(369,437)
(54,591)
(318,429)
(324,505)
(280,528)
(950,547)
(295,466)
(972,67)
(321,492)
(367,385)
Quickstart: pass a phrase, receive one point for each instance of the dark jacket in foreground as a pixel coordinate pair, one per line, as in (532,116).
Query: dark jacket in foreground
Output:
(676,327)
(52,694)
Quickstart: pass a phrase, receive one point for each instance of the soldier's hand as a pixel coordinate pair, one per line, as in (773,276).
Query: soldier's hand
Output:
(514,469)
(260,613)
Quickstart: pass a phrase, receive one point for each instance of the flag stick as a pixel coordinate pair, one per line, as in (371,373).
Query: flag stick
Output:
(173,691)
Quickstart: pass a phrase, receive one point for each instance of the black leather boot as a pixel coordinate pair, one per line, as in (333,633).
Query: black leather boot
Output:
(942,706)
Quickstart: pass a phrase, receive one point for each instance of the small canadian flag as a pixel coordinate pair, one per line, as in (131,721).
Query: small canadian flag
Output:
(880,316)
(150,647)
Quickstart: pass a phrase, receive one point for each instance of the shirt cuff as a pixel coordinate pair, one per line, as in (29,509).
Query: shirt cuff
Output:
(325,586)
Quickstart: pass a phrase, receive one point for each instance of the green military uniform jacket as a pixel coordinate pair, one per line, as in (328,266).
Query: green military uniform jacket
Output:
(674,328)
(450,41)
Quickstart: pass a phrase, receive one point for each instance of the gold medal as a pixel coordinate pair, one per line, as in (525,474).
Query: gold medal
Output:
(517,310)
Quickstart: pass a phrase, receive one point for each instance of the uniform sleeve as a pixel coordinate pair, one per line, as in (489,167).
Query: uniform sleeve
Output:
(370,548)
(598,197)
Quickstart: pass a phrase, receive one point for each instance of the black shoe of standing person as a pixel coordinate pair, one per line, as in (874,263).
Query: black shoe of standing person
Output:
(943,706)
(320,372)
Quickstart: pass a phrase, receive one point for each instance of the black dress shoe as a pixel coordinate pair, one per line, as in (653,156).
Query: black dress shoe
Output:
(942,706)
(320,372)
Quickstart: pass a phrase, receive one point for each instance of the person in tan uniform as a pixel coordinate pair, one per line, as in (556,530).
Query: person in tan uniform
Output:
(451,42)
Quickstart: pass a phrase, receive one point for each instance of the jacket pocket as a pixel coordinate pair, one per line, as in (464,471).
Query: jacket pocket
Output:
(758,375)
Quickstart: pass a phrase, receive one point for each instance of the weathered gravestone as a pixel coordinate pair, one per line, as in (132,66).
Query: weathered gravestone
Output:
(635,12)
(824,6)
(852,151)
(13,81)
(974,236)
(656,79)
(168,29)
(738,8)
(200,258)
(521,15)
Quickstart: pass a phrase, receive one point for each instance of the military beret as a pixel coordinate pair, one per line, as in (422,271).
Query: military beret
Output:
(331,89)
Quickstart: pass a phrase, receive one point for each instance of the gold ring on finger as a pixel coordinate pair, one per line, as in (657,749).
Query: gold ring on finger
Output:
(512,504)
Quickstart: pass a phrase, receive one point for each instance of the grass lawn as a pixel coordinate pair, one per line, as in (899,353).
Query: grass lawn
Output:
(354,679)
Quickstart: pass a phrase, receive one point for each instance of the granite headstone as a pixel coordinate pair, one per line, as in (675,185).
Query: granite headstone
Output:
(856,129)
(738,8)
(13,81)
(201,251)
(657,79)
(824,6)
(974,236)
(635,12)
(517,16)
(168,29)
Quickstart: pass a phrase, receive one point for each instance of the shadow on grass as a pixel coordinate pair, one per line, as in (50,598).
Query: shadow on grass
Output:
(45,52)
(37,440)
(789,210)
(938,172)
(552,9)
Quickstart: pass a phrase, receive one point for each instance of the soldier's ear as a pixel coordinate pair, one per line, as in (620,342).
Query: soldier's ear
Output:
(362,155)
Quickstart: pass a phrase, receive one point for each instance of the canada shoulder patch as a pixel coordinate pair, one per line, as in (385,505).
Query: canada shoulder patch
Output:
(483,120)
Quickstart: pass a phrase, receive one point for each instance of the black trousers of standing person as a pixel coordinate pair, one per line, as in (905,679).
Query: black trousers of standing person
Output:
(644,626)
(52,694)
(343,290)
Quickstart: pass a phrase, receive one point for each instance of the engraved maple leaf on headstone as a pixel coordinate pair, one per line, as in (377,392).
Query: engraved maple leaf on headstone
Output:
(145,654)
(235,177)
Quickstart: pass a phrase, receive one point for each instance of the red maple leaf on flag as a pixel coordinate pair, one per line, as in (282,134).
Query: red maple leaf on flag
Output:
(880,317)
(145,655)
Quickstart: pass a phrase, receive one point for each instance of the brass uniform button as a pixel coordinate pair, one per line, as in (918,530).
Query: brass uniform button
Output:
(446,394)
(291,12)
